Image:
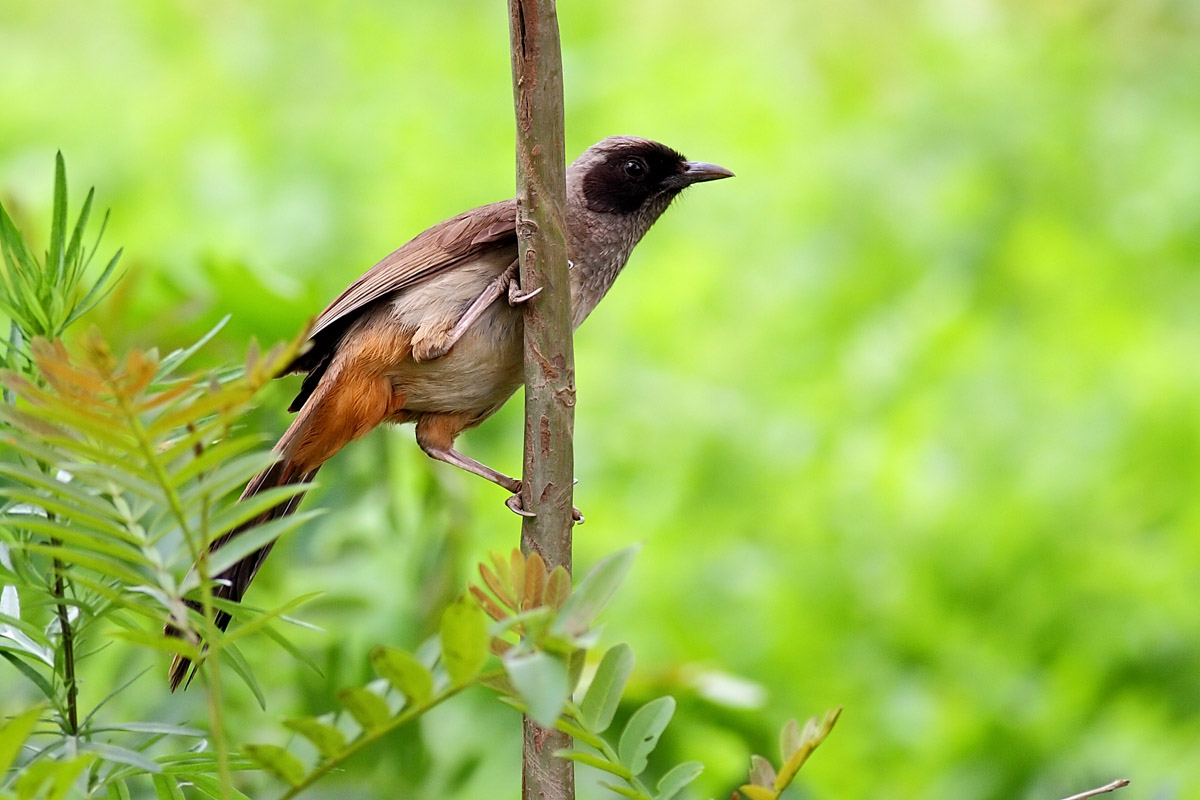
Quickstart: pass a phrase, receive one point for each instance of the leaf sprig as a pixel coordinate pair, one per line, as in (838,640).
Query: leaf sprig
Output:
(795,745)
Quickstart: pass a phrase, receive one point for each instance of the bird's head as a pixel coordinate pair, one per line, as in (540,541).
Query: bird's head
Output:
(627,175)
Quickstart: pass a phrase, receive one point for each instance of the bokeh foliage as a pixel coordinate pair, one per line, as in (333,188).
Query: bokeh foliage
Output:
(905,415)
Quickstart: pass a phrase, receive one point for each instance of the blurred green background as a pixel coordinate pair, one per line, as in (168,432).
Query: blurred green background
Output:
(905,416)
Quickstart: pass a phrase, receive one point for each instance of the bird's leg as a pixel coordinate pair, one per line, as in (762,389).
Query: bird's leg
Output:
(435,436)
(434,346)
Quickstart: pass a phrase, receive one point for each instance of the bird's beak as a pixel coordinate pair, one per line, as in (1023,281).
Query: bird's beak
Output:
(700,171)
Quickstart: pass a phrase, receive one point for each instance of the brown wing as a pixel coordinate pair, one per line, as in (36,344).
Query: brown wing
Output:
(430,253)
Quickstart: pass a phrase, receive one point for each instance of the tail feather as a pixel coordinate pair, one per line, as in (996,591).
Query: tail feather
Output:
(231,584)
(340,410)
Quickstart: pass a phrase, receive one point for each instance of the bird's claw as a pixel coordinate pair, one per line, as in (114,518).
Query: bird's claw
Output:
(516,296)
(514,505)
(517,507)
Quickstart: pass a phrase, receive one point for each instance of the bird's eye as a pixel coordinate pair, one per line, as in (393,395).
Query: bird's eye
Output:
(635,168)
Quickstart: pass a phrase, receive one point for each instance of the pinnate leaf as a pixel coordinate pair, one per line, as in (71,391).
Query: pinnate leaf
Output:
(328,740)
(464,639)
(600,703)
(593,593)
(814,733)
(680,776)
(368,709)
(541,681)
(641,734)
(275,760)
(404,672)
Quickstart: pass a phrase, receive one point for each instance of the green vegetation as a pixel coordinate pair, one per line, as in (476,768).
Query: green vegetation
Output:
(905,417)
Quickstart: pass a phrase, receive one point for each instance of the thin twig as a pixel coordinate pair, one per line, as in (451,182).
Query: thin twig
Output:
(374,735)
(1109,787)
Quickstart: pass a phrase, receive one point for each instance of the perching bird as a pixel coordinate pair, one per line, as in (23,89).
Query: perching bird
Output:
(422,336)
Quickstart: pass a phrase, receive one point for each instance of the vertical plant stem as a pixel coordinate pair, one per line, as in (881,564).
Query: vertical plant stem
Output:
(549,362)
(212,664)
(197,542)
(68,643)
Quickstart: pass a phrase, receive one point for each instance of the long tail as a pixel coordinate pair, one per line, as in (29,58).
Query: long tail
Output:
(231,584)
(337,413)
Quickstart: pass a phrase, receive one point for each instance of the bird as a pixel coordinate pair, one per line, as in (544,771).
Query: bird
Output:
(424,336)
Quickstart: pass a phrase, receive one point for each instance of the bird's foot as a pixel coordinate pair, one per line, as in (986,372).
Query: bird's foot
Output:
(517,507)
(428,345)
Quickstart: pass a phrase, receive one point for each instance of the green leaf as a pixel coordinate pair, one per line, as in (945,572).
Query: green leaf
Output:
(404,672)
(29,672)
(105,565)
(14,625)
(174,359)
(250,540)
(74,254)
(89,541)
(122,755)
(58,223)
(211,787)
(158,641)
(31,778)
(63,509)
(164,728)
(60,775)
(99,290)
(814,733)
(593,593)
(641,734)
(261,619)
(328,740)
(600,703)
(541,681)
(14,734)
(673,782)
(254,539)
(67,492)
(277,761)
(291,649)
(116,790)
(368,709)
(237,662)
(464,640)
(228,472)
(593,760)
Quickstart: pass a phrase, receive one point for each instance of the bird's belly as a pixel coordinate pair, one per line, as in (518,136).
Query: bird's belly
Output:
(476,377)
